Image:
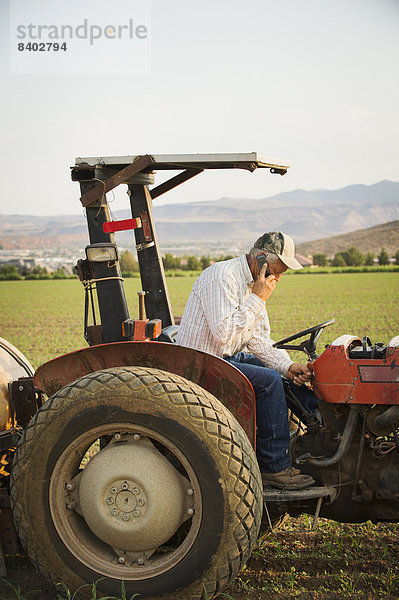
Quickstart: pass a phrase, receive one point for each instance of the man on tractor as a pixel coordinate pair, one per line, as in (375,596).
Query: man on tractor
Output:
(225,315)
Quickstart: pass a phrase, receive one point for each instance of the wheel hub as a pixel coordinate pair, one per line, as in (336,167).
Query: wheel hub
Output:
(125,500)
(132,497)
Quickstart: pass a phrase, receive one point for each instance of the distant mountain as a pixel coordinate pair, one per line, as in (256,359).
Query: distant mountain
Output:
(371,239)
(305,215)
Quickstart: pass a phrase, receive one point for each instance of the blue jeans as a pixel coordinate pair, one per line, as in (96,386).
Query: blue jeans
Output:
(273,435)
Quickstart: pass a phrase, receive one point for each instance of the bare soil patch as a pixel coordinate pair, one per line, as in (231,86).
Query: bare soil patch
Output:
(337,561)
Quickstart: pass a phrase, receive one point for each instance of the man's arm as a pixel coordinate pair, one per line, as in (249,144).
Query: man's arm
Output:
(274,358)
(230,323)
(261,346)
(260,343)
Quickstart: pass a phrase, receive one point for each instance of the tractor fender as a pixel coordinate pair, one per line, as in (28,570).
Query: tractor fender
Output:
(212,373)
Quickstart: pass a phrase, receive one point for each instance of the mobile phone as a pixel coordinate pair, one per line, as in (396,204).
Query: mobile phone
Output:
(261,259)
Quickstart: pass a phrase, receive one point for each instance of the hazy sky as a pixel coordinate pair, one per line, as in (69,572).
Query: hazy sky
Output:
(313,81)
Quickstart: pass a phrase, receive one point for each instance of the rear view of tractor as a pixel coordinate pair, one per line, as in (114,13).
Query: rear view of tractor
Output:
(136,467)
(135,457)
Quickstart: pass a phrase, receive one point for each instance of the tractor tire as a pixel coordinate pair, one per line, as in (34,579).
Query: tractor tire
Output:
(190,433)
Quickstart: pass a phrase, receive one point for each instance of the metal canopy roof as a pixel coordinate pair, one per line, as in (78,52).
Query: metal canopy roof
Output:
(113,170)
(248,160)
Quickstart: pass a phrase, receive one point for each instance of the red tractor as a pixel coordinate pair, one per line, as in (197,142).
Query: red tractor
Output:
(135,457)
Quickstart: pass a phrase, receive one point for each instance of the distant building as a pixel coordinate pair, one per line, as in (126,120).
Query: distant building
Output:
(303,261)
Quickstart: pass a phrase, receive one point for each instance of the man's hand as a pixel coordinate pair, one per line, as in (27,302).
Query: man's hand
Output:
(299,374)
(264,286)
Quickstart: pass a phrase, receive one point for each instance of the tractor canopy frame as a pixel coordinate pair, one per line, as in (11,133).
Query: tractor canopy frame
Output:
(99,175)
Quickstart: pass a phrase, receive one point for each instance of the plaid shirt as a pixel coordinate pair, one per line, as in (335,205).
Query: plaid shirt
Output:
(223,317)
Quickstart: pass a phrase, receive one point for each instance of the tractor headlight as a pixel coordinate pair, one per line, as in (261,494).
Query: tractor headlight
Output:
(102,252)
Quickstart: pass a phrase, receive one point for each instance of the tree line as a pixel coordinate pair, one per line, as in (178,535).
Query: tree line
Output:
(130,266)
(12,273)
(345,258)
(171,262)
(354,258)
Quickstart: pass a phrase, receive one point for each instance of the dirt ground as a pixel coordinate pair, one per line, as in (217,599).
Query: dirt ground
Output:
(336,562)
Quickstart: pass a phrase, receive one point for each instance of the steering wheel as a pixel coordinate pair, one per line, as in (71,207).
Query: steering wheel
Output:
(309,345)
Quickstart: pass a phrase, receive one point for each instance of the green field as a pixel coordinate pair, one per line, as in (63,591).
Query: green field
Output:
(357,562)
(45,318)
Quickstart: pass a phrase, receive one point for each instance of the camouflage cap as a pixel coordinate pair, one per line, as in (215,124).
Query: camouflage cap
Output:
(281,244)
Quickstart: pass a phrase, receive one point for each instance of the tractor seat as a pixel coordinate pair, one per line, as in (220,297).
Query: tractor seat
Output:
(168,334)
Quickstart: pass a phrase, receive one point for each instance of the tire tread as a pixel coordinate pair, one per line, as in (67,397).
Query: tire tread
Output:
(200,406)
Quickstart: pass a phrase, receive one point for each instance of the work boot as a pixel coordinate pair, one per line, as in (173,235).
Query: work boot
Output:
(289,479)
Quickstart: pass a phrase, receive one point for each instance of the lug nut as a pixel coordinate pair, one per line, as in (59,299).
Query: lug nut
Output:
(140,502)
(136,513)
(121,560)
(71,505)
(190,491)
(70,486)
(115,511)
(113,490)
(140,561)
(135,491)
(190,512)
(117,436)
(125,517)
(110,500)
(125,485)
(136,436)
